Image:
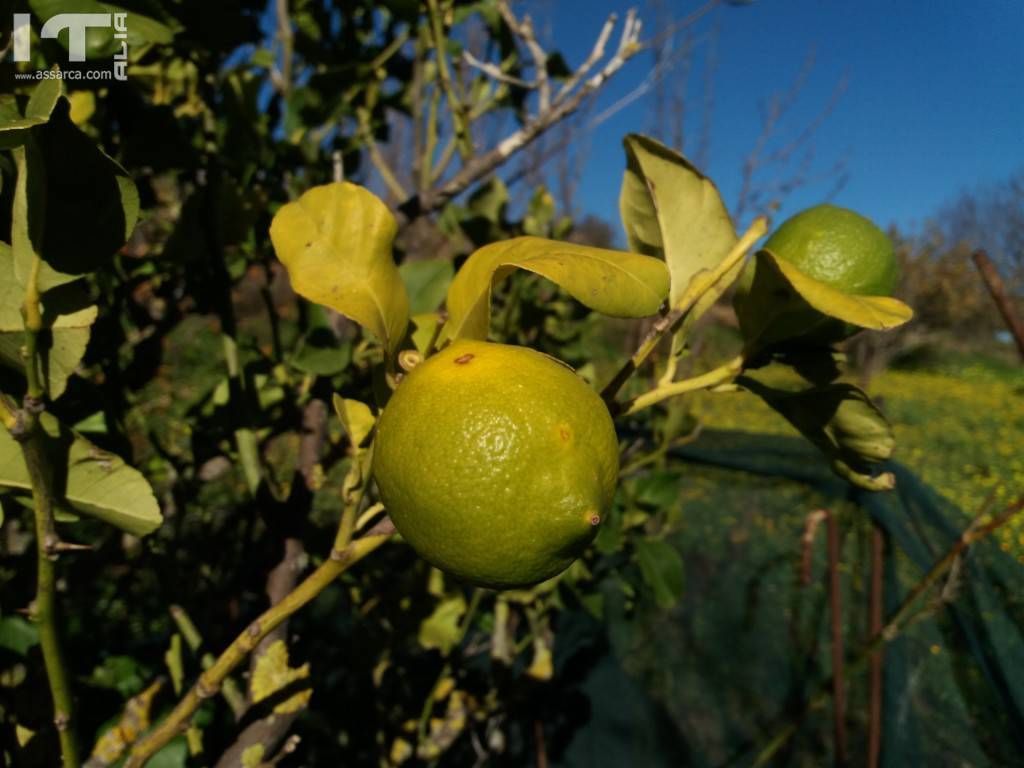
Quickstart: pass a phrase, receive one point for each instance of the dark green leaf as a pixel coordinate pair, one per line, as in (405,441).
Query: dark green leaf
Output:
(17,635)
(662,569)
(74,207)
(427,282)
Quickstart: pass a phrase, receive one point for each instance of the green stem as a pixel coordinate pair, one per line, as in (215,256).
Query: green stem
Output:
(44,608)
(343,556)
(33,447)
(699,285)
(723,374)
(460,118)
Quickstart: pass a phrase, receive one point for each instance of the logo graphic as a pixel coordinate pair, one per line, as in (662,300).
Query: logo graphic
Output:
(76,24)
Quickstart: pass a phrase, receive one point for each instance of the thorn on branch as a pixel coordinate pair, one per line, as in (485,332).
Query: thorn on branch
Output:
(55,546)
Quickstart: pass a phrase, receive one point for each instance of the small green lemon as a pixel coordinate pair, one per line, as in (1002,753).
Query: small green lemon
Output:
(835,246)
(496,463)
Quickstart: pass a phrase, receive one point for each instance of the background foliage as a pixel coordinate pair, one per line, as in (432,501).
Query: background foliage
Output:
(204,371)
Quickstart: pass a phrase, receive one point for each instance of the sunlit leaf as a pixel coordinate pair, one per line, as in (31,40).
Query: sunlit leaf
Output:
(879,313)
(14,125)
(273,673)
(671,210)
(356,418)
(440,630)
(67,315)
(614,283)
(335,242)
(87,479)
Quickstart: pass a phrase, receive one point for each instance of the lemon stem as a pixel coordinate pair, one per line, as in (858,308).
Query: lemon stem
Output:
(723,374)
(699,285)
(210,681)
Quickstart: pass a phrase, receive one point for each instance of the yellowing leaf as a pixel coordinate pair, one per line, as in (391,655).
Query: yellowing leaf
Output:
(671,210)
(252,757)
(272,674)
(440,630)
(614,283)
(356,418)
(879,313)
(335,241)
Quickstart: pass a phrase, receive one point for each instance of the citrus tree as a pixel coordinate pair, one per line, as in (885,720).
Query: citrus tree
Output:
(479,480)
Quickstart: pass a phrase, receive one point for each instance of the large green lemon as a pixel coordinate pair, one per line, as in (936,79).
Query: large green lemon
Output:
(835,246)
(496,463)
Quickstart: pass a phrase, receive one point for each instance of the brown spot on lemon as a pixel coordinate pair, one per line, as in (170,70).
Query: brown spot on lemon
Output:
(473,469)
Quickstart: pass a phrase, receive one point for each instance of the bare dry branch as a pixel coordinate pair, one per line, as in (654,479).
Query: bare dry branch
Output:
(565,103)
(493,70)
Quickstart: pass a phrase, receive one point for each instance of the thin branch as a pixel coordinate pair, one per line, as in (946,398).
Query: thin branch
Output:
(209,682)
(668,323)
(33,447)
(875,663)
(565,103)
(377,158)
(283,79)
(996,288)
(494,71)
(723,374)
(229,689)
(836,616)
(524,31)
(455,102)
(974,532)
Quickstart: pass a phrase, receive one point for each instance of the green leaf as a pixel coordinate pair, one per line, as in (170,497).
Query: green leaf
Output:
(427,282)
(425,330)
(13,125)
(17,635)
(320,351)
(662,569)
(89,480)
(100,42)
(440,630)
(74,207)
(879,313)
(671,210)
(489,201)
(838,418)
(44,98)
(67,314)
(356,418)
(335,241)
(539,213)
(614,283)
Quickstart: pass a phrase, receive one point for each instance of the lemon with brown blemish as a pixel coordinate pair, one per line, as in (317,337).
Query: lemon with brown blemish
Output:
(496,463)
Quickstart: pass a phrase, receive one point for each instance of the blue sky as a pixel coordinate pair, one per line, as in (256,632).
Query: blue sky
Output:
(934,102)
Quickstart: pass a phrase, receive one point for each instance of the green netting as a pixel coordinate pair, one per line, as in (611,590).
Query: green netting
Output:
(748,645)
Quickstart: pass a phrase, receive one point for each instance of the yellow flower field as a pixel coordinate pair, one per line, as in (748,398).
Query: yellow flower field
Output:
(962,432)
